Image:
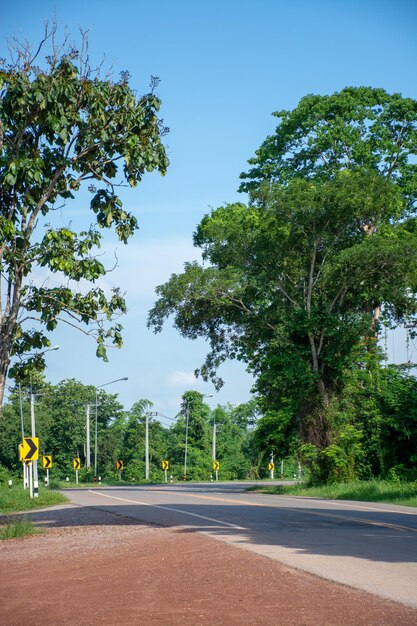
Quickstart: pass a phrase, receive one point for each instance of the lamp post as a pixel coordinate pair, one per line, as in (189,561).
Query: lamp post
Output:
(187,417)
(96,432)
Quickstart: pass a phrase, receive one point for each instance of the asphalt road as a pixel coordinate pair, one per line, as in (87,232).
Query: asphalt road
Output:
(370,546)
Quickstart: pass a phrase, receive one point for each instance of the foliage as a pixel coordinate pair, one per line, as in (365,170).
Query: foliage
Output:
(358,128)
(60,413)
(21,528)
(18,499)
(293,283)
(61,126)
(369,491)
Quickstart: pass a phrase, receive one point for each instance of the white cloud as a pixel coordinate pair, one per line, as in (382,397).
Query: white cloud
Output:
(142,265)
(183,379)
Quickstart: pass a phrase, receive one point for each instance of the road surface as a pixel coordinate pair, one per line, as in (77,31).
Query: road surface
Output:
(370,546)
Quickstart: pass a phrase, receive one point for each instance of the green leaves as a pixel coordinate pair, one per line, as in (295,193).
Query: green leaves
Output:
(359,127)
(62,125)
(292,282)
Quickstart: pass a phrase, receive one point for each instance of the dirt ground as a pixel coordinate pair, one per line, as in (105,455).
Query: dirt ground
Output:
(103,569)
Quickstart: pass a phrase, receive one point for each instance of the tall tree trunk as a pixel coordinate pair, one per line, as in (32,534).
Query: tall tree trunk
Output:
(324,394)
(4,366)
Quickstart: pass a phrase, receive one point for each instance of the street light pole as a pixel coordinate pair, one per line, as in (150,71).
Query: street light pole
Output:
(87,443)
(34,463)
(187,413)
(147,446)
(96,432)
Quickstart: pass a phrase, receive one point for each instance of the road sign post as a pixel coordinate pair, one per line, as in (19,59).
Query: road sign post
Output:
(165,467)
(120,467)
(77,465)
(24,467)
(47,464)
(30,473)
(271,466)
(29,454)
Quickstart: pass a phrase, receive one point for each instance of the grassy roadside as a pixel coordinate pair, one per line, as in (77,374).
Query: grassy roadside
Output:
(18,499)
(370,491)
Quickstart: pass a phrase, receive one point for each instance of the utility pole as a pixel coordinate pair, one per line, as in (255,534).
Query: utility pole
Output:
(147,446)
(25,467)
(214,447)
(87,446)
(34,463)
(186,439)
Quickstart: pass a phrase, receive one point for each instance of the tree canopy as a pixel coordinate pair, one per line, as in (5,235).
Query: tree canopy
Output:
(293,283)
(63,126)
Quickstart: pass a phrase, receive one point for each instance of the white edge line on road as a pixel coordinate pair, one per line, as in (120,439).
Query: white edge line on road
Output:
(167,508)
(346,503)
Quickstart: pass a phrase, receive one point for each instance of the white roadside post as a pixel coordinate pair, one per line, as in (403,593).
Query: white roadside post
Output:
(282,469)
(30,478)
(25,476)
(272,466)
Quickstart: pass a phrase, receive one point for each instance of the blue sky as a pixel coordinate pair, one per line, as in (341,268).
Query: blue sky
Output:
(224,66)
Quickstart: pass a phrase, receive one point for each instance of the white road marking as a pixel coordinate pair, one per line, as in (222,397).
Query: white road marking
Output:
(345,503)
(167,508)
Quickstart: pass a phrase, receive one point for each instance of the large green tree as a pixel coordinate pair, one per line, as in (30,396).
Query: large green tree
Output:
(63,126)
(295,280)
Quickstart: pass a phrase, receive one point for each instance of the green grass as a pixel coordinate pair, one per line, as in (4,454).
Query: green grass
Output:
(394,492)
(20,528)
(18,499)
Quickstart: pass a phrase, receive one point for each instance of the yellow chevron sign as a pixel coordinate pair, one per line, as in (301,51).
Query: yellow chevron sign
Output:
(119,465)
(29,449)
(47,461)
(165,465)
(271,467)
(77,464)
(216,465)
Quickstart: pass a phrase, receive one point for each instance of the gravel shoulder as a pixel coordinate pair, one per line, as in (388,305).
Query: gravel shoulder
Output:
(94,567)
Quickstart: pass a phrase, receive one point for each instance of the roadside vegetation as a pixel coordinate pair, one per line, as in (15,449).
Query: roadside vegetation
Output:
(394,492)
(11,529)
(18,499)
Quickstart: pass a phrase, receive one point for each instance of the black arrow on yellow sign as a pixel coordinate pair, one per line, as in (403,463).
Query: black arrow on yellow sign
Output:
(77,464)
(30,451)
(119,465)
(47,461)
